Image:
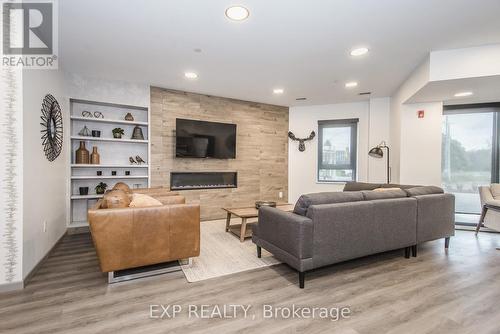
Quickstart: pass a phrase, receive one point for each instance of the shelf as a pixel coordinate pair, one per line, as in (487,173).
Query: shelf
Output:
(94,196)
(116,152)
(96,177)
(105,120)
(114,140)
(107,166)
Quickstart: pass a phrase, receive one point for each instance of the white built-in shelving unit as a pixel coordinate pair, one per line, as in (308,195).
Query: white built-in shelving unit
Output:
(114,153)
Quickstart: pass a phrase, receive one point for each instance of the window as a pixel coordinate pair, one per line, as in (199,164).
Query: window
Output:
(470,153)
(337,150)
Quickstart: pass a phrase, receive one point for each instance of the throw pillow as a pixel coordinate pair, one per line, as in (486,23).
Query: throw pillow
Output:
(375,195)
(122,186)
(495,190)
(143,201)
(424,190)
(116,199)
(386,189)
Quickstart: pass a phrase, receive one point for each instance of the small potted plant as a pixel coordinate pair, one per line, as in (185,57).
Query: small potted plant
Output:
(100,188)
(118,133)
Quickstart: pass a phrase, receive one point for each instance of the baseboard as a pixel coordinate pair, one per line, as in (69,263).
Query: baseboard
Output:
(35,268)
(78,230)
(473,229)
(13,286)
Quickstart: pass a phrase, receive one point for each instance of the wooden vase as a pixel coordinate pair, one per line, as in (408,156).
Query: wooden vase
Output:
(82,154)
(95,158)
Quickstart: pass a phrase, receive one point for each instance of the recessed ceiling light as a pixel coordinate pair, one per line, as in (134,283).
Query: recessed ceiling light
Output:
(463,94)
(351,84)
(278,91)
(237,13)
(191,75)
(359,52)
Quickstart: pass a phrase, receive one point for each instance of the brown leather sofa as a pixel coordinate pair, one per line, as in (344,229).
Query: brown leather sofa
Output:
(128,238)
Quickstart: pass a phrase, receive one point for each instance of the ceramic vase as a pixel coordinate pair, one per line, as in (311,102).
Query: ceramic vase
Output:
(82,154)
(95,158)
(129,117)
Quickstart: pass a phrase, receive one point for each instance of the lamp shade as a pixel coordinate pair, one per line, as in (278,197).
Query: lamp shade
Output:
(376,152)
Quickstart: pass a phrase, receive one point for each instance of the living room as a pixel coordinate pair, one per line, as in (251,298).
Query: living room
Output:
(258,166)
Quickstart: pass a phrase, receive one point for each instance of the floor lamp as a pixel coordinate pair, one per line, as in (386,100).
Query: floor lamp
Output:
(378,152)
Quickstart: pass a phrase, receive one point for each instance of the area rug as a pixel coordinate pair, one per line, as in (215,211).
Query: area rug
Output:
(222,253)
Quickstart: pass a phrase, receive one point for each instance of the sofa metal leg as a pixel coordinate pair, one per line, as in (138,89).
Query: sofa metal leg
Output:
(478,227)
(414,250)
(259,252)
(447,243)
(302,278)
(481,219)
(407,252)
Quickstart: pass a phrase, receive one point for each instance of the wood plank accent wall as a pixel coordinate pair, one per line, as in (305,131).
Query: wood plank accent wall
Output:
(261,148)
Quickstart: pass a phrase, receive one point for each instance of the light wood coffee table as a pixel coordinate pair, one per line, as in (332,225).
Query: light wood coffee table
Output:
(241,230)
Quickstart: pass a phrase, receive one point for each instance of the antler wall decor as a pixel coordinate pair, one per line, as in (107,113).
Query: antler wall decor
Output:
(302,146)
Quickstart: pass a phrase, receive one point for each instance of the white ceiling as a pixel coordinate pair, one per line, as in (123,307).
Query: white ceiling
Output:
(301,46)
(484,89)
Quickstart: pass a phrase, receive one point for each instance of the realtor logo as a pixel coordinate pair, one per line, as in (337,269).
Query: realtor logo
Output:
(29,34)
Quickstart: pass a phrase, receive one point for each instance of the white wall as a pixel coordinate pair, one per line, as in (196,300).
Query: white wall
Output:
(418,78)
(11,172)
(379,131)
(100,90)
(421,144)
(302,166)
(44,191)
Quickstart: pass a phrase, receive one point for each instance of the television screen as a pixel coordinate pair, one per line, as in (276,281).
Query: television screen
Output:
(200,139)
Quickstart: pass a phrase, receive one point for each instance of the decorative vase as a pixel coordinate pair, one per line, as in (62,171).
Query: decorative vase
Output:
(129,117)
(83,191)
(82,155)
(95,158)
(117,135)
(84,132)
(137,133)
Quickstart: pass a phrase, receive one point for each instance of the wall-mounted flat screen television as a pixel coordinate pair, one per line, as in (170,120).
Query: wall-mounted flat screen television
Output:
(200,139)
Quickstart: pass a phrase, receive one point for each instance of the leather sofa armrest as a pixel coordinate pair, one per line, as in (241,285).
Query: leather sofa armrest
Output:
(285,230)
(184,230)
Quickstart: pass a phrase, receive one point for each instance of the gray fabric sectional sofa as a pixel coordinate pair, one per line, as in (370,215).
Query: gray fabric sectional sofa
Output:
(331,227)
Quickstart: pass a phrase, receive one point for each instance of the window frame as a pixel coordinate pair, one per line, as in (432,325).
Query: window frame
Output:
(338,123)
(480,108)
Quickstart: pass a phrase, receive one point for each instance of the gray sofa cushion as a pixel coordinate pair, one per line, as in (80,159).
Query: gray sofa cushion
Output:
(374,195)
(426,190)
(305,201)
(358,186)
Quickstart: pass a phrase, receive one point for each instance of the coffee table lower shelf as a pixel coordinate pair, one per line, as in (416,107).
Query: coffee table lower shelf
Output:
(244,230)
(236,230)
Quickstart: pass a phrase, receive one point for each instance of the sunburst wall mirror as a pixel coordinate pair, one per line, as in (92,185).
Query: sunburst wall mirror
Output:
(52,127)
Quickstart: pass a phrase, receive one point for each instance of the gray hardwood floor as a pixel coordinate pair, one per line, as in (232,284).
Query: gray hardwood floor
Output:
(437,292)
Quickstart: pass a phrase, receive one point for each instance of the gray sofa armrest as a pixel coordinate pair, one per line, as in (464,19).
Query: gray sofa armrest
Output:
(436,217)
(287,231)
